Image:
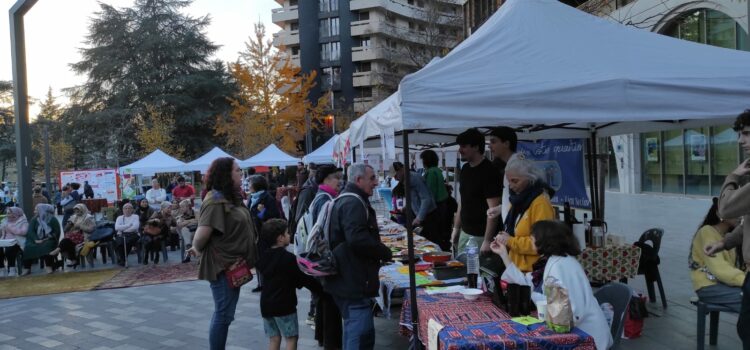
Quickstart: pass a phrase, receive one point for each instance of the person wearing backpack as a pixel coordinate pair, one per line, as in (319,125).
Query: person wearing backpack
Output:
(358,254)
(324,313)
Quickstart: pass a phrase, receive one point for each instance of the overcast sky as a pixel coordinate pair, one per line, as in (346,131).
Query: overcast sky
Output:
(55,30)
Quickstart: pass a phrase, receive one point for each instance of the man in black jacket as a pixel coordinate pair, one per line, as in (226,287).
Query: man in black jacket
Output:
(358,251)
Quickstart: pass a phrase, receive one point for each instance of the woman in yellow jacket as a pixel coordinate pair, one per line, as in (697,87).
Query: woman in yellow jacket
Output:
(716,279)
(529,203)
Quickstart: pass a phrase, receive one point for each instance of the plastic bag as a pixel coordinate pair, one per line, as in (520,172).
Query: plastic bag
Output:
(559,316)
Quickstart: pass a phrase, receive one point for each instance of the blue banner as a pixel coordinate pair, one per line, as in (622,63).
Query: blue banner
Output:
(561,161)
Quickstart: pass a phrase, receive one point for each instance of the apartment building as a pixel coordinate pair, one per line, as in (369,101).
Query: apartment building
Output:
(362,48)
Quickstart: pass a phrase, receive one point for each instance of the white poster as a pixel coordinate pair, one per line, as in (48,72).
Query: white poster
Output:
(102,181)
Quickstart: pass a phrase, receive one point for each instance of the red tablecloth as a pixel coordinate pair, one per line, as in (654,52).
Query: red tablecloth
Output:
(95,204)
(479,324)
(610,263)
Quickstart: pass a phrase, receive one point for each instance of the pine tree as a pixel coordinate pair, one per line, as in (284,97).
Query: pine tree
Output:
(148,55)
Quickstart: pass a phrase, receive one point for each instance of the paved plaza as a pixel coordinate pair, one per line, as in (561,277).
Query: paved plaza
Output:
(176,315)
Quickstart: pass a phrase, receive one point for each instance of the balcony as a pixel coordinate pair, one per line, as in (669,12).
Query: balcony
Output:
(375,78)
(279,16)
(286,38)
(365,54)
(365,27)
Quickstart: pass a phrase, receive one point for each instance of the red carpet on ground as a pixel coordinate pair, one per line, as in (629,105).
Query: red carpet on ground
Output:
(152,274)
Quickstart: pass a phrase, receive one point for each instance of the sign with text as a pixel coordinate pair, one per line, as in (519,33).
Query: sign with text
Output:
(102,181)
(561,161)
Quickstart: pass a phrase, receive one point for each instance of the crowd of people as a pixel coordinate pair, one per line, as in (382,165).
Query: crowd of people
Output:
(504,209)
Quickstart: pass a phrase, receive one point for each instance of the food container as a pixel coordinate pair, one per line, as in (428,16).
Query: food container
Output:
(434,257)
(471,293)
(449,272)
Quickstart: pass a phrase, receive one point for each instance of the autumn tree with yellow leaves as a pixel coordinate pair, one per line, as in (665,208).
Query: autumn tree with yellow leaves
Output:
(271,102)
(156,131)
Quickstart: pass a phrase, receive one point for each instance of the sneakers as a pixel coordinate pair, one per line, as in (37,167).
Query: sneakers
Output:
(310,320)
(13,272)
(49,269)
(257,289)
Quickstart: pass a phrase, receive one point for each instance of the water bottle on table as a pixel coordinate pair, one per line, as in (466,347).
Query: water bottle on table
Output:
(472,263)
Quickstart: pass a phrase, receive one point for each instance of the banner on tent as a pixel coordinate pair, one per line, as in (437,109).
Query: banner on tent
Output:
(561,161)
(102,181)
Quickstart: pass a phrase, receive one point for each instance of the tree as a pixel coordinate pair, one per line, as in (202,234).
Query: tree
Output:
(439,29)
(156,132)
(47,121)
(7,127)
(150,55)
(271,100)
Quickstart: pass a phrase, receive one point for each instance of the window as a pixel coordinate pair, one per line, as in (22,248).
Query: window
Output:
(329,5)
(364,41)
(411,25)
(411,2)
(420,3)
(294,26)
(724,156)
(295,50)
(708,27)
(362,67)
(362,15)
(651,162)
(364,92)
(330,51)
(329,27)
(292,2)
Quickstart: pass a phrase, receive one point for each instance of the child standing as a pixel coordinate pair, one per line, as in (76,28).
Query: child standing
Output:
(278,298)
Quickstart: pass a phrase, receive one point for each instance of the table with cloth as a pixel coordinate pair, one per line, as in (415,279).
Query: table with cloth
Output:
(479,324)
(396,276)
(95,204)
(610,263)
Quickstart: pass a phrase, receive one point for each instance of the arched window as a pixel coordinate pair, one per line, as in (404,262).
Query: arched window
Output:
(710,27)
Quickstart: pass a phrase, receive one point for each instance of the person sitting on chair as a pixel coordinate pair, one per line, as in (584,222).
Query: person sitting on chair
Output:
(168,221)
(151,239)
(716,279)
(77,230)
(13,227)
(126,227)
(187,223)
(144,212)
(41,238)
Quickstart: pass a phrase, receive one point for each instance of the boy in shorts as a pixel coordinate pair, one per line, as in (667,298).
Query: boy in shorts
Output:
(278,298)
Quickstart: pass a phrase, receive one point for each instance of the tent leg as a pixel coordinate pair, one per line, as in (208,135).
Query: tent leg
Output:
(592,184)
(416,344)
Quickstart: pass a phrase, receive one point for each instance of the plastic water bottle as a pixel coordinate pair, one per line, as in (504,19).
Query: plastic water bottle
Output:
(472,263)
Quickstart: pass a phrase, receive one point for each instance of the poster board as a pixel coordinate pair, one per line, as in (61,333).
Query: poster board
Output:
(561,161)
(104,182)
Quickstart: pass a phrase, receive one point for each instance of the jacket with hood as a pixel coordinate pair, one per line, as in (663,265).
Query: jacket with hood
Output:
(281,278)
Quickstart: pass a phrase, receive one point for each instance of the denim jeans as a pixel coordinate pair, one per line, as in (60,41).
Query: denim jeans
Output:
(225,302)
(359,327)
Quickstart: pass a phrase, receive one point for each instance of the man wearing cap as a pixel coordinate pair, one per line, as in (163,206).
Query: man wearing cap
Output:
(734,202)
(422,203)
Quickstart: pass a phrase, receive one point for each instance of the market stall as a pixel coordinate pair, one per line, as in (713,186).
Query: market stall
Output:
(270,156)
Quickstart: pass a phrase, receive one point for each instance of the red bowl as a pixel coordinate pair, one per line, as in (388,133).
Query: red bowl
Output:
(434,257)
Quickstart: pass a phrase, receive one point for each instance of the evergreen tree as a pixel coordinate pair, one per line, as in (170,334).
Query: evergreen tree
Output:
(150,55)
(7,128)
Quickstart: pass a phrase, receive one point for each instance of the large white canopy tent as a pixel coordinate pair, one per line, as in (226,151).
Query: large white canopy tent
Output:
(270,156)
(552,71)
(203,162)
(155,162)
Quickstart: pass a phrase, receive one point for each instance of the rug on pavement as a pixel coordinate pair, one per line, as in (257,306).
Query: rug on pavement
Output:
(14,287)
(152,274)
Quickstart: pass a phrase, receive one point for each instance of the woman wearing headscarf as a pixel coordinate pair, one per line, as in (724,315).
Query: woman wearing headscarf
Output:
(144,212)
(41,238)
(530,203)
(13,227)
(77,230)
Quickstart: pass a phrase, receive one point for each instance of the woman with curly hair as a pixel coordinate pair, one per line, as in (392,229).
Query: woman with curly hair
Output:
(225,234)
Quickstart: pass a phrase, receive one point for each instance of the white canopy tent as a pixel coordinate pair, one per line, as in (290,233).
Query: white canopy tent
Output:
(155,162)
(203,162)
(270,156)
(324,153)
(540,64)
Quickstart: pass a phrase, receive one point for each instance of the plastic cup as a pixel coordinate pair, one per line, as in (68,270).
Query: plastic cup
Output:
(541,309)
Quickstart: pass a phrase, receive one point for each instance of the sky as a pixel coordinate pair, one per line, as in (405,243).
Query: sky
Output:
(56,29)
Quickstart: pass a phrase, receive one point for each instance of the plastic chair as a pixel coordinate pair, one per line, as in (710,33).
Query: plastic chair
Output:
(653,235)
(713,331)
(618,295)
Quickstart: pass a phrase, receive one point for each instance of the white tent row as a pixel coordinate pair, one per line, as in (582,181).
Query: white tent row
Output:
(151,164)
(270,156)
(323,154)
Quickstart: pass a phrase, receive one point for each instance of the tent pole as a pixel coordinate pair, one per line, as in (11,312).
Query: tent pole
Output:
(416,345)
(595,168)
(592,185)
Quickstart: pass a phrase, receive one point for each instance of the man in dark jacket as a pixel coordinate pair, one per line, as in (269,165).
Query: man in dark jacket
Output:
(88,191)
(358,252)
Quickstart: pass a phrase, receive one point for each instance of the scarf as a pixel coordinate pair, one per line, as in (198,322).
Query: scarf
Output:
(537,272)
(45,213)
(255,198)
(78,220)
(17,222)
(328,189)
(520,202)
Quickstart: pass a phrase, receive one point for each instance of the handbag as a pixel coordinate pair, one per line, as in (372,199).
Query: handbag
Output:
(75,236)
(238,273)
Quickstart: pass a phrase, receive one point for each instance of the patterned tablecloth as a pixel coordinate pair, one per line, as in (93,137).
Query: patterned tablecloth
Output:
(479,324)
(610,263)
